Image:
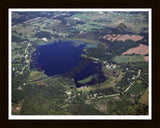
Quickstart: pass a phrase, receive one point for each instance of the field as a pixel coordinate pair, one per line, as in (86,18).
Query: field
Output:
(141,49)
(84,40)
(47,81)
(137,88)
(88,79)
(128,58)
(146,58)
(144,97)
(122,37)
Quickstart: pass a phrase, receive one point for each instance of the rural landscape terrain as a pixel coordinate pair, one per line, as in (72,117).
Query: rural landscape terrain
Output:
(108,73)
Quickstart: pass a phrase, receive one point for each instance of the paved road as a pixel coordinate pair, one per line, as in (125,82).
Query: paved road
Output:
(25,53)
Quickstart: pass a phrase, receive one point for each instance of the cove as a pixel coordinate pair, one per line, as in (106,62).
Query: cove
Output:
(61,57)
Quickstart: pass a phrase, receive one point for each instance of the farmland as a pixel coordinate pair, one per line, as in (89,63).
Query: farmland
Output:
(141,49)
(122,37)
(144,97)
(128,58)
(146,58)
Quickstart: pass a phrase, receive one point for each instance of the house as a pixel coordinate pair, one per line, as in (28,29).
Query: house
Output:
(68,93)
(95,94)
(26,56)
(27,61)
(13,68)
(45,39)
(19,88)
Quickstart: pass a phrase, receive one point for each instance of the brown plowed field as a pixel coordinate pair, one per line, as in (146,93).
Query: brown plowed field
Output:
(141,49)
(146,58)
(122,37)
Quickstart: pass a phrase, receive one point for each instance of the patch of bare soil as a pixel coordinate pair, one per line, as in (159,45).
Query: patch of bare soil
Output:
(146,58)
(141,49)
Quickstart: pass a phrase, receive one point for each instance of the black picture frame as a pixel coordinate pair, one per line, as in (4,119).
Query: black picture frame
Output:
(5,5)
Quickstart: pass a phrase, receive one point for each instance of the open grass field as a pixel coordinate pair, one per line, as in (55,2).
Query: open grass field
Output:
(100,105)
(137,88)
(89,27)
(128,58)
(36,75)
(84,40)
(88,79)
(144,98)
(83,16)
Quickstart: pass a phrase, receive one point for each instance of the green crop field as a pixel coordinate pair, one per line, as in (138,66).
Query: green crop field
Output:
(137,88)
(128,58)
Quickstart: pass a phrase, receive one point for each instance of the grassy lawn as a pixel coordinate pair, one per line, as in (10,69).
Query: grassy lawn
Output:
(128,58)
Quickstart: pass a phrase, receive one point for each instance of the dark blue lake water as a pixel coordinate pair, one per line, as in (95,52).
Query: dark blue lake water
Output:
(62,57)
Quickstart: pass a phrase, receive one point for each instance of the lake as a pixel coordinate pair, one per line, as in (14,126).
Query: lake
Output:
(62,57)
